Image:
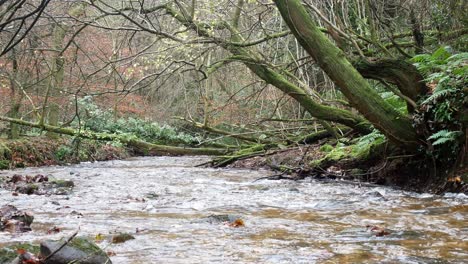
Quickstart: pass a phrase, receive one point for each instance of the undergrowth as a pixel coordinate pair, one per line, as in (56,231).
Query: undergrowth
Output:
(98,120)
(442,115)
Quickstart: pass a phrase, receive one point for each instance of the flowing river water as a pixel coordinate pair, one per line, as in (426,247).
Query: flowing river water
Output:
(167,198)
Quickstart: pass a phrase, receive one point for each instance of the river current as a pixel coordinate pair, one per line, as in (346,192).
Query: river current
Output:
(162,201)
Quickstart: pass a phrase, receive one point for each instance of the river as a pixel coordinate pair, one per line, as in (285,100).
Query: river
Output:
(307,221)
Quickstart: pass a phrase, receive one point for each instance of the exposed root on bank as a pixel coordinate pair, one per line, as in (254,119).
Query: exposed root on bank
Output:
(379,164)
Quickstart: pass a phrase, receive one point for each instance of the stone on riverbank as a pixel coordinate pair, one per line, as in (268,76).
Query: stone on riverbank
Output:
(14,220)
(79,250)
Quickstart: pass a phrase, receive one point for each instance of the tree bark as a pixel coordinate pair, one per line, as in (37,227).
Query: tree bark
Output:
(56,77)
(404,75)
(332,60)
(253,60)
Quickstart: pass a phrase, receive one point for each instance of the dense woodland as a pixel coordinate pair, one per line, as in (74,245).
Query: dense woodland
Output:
(378,85)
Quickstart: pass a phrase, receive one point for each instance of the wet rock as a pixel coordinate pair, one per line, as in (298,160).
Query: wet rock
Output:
(9,254)
(375,195)
(27,188)
(152,195)
(39,185)
(14,220)
(217,219)
(121,238)
(63,183)
(79,250)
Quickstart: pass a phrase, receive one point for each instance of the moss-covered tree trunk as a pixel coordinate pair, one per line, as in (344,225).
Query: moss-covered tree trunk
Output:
(16,98)
(254,61)
(56,77)
(138,145)
(396,126)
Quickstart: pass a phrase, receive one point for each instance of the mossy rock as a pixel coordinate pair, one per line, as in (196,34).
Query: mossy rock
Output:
(366,152)
(63,183)
(121,238)
(8,253)
(79,250)
(29,188)
(334,154)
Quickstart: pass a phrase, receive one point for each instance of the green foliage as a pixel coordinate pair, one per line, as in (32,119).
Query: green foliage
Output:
(63,152)
(364,144)
(441,113)
(395,101)
(101,121)
(444,136)
(4,164)
(326,148)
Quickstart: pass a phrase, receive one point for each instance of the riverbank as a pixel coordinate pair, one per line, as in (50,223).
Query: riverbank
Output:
(44,151)
(344,162)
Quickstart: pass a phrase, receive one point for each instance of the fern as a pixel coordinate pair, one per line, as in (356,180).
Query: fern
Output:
(444,136)
(438,94)
(442,53)
(442,141)
(441,133)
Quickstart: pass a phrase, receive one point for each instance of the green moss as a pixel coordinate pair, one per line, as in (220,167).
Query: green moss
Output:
(63,183)
(5,152)
(363,152)
(121,238)
(326,148)
(340,151)
(4,164)
(85,245)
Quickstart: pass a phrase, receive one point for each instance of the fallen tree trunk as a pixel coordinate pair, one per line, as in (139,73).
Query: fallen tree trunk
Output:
(223,132)
(133,142)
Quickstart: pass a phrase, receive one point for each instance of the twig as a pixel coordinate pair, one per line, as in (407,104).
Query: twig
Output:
(275,177)
(60,248)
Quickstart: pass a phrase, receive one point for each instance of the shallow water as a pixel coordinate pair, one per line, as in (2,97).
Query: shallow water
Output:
(285,221)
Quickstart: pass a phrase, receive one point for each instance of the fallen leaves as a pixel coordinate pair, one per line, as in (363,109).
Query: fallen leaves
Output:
(378,231)
(27,258)
(237,223)
(54,230)
(99,237)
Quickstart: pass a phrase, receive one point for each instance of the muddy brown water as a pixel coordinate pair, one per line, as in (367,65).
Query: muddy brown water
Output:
(285,221)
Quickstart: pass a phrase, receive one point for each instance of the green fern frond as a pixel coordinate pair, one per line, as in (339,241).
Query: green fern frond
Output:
(441,133)
(442,141)
(442,53)
(438,94)
(444,136)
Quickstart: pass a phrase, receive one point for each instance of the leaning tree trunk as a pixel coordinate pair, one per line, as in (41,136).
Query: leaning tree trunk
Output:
(253,60)
(332,60)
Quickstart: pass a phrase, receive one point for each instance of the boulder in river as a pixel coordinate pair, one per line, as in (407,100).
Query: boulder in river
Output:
(14,220)
(78,250)
(38,184)
(121,238)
